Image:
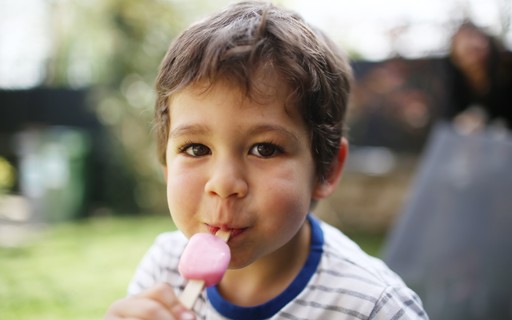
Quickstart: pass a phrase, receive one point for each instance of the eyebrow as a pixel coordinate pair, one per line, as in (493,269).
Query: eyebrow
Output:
(273,128)
(194,129)
(197,129)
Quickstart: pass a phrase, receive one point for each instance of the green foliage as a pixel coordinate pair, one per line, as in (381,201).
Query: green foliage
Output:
(7,175)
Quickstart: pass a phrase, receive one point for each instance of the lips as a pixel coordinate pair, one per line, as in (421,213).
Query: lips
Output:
(234,231)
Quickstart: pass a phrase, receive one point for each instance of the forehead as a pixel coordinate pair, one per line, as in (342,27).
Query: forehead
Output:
(209,105)
(266,87)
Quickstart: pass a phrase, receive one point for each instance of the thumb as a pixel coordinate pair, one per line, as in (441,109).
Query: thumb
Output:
(164,294)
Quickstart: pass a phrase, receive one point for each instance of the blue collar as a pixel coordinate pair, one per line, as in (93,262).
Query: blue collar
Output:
(271,307)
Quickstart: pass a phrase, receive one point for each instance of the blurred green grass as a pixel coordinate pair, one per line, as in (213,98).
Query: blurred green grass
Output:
(76,270)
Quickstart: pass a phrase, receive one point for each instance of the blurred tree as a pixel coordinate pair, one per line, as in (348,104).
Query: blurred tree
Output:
(114,47)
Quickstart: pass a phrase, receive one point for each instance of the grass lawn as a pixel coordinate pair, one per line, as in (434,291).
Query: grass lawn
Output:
(75,270)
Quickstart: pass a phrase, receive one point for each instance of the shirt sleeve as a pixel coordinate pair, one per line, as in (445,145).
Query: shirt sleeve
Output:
(398,303)
(146,273)
(157,265)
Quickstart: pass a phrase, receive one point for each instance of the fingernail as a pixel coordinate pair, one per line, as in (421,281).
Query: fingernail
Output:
(187,315)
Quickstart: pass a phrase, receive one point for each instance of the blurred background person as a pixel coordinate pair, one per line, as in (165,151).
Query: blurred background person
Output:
(479,79)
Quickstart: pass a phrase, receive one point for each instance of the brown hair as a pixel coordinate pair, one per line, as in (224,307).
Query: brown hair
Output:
(237,42)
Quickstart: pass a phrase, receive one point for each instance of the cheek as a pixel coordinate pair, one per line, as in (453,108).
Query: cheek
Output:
(288,196)
(181,192)
(291,209)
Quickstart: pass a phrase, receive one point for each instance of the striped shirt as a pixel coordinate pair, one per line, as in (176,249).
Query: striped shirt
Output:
(338,281)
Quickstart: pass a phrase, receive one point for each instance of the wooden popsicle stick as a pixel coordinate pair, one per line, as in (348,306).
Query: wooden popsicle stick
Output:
(194,287)
(223,234)
(192,290)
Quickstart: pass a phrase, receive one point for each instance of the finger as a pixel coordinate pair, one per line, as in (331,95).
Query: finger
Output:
(182,313)
(138,308)
(162,293)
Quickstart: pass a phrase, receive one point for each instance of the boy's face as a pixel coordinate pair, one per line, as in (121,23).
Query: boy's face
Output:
(238,164)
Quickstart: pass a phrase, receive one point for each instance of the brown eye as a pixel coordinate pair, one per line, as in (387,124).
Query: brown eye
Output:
(196,150)
(265,150)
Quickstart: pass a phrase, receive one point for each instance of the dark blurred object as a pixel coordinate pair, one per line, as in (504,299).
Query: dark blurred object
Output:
(45,107)
(479,75)
(53,172)
(56,129)
(453,241)
(395,102)
(39,113)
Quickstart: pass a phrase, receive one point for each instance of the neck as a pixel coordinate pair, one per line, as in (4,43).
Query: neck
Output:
(270,275)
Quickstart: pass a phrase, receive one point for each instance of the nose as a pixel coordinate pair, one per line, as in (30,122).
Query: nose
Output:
(227,179)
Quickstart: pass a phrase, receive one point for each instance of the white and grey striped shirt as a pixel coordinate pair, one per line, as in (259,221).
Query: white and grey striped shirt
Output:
(338,281)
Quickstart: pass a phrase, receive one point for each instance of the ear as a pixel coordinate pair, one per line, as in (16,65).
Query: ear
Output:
(326,187)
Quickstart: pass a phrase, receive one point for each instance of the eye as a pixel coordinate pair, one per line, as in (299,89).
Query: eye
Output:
(195,150)
(266,150)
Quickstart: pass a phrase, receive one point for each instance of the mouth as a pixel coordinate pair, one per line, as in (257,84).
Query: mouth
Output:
(233,231)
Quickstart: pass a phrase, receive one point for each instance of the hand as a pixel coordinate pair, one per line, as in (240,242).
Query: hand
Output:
(156,303)
(471,120)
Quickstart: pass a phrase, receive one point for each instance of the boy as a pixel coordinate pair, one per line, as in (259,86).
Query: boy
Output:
(249,119)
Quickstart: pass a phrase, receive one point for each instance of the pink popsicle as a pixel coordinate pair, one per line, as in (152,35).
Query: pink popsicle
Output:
(203,262)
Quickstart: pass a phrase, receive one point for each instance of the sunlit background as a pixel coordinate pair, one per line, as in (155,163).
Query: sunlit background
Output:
(35,32)
(78,168)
